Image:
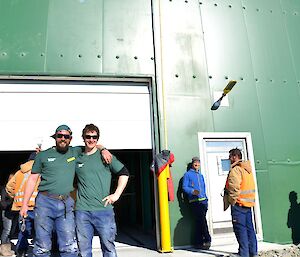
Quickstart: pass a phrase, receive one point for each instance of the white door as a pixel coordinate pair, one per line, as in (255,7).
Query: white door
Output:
(214,152)
(32,111)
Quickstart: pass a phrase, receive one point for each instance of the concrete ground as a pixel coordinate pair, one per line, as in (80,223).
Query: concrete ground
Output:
(218,249)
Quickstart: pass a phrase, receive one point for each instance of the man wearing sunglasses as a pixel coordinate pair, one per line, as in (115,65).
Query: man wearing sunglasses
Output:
(54,206)
(94,211)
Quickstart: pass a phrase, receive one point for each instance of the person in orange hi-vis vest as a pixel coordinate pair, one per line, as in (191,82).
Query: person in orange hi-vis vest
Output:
(239,193)
(15,189)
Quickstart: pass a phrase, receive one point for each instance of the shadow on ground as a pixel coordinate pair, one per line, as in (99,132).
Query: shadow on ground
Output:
(134,237)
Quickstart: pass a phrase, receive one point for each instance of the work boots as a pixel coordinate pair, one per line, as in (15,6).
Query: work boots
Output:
(5,250)
(21,253)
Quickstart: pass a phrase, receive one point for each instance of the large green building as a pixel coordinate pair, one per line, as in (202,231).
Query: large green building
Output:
(147,72)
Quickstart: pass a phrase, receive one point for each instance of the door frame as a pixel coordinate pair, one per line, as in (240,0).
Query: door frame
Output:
(115,80)
(208,136)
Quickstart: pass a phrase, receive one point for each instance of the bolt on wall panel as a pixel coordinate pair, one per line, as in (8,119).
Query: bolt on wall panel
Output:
(22,36)
(74,36)
(127,37)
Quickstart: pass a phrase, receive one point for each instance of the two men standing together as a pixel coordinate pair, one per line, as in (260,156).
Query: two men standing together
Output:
(54,207)
(56,167)
(239,193)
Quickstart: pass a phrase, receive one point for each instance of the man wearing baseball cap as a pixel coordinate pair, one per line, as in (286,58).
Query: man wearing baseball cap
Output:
(194,186)
(54,206)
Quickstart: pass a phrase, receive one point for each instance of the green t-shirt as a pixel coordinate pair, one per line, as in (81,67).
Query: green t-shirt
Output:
(94,179)
(57,170)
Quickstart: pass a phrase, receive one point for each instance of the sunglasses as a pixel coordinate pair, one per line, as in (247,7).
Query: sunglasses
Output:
(63,135)
(91,136)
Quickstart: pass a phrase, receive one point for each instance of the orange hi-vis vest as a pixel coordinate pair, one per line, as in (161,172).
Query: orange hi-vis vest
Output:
(247,190)
(21,180)
(17,184)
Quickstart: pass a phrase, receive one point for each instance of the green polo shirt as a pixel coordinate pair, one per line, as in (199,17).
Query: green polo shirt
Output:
(57,170)
(94,180)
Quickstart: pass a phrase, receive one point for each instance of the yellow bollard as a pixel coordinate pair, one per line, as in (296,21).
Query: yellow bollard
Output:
(164,211)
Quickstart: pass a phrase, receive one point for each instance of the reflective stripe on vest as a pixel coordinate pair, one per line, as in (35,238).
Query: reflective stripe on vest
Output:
(247,197)
(22,193)
(247,200)
(247,193)
(32,199)
(197,200)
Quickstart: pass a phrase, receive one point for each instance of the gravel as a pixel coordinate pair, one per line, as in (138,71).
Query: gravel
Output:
(292,251)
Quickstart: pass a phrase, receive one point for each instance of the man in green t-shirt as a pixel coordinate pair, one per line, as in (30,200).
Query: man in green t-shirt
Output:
(54,206)
(94,211)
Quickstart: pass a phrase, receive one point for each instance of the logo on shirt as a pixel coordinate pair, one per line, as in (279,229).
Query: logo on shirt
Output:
(80,165)
(51,159)
(71,159)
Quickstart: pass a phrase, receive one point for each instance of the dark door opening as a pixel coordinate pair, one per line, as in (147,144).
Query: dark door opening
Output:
(10,163)
(135,213)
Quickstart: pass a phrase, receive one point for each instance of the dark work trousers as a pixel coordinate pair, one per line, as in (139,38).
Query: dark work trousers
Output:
(201,231)
(244,230)
(22,244)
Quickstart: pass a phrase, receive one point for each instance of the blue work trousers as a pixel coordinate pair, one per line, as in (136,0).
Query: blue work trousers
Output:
(54,214)
(103,222)
(244,230)
(201,231)
(23,236)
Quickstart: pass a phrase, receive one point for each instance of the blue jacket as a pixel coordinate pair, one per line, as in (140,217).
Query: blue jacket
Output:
(194,180)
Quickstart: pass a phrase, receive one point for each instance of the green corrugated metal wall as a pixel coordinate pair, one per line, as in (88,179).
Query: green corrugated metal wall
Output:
(203,45)
(256,42)
(71,37)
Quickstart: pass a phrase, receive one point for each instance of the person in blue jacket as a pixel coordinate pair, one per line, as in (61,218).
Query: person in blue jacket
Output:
(194,187)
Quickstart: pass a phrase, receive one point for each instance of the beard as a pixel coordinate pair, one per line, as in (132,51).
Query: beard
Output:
(62,149)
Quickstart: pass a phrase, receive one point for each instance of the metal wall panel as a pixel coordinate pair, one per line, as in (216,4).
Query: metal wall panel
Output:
(229,57)
(71,37)
(275,78)
(187,96)
(23,26)
(74,37)
(291,15)
(127,37)
(255,42)
(278,98)
(183,50)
